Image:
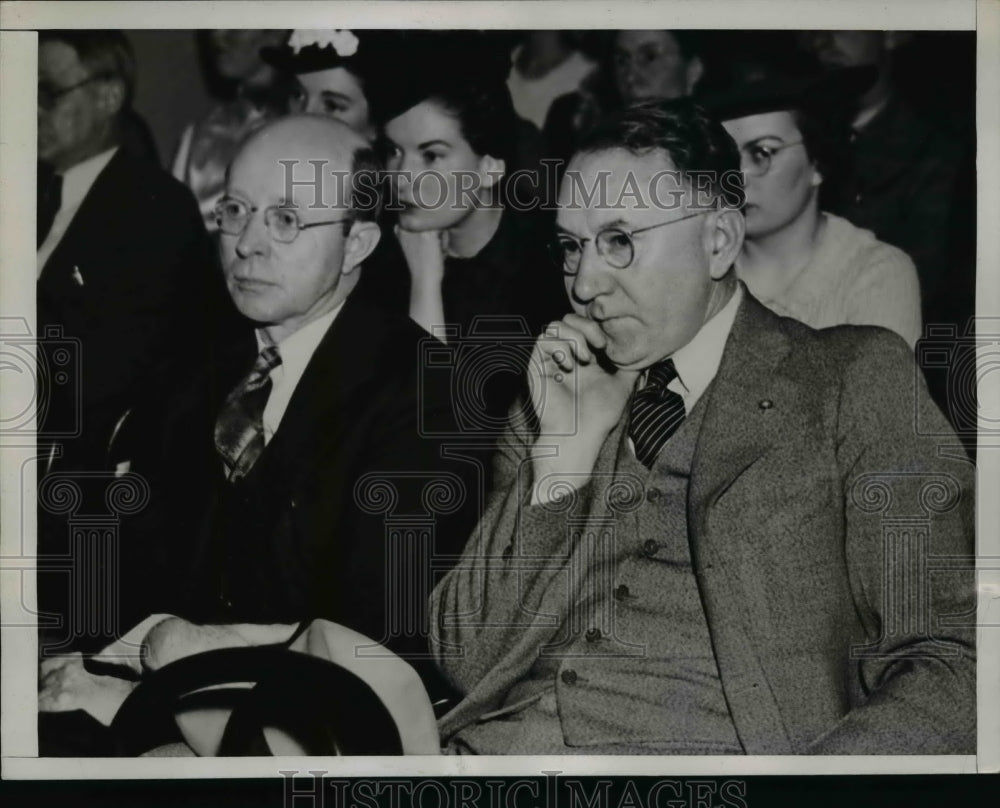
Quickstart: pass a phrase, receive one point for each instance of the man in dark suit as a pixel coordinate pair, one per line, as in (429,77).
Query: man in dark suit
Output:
(726,533)
(124,272)
(122,254)
(298,476)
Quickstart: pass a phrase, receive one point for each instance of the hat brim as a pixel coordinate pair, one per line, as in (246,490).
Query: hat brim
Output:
(789,92)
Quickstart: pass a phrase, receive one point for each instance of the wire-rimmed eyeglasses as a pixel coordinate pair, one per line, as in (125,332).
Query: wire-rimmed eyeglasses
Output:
(757,157)
(614,244)
(283,224)
(49,96)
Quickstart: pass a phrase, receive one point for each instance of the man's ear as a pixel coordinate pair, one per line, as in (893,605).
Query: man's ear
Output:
(361,242)
(693,73)
(492,169)
(111,97)
(724,233)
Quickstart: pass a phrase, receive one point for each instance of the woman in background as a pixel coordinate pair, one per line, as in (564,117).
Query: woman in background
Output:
(478,274)
(797,259)
(329,72)
(254,94)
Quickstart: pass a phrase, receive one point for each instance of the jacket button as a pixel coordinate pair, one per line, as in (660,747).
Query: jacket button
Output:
(621,592)
(765,404)
(593,635)
(569,677)
(653,494)
(650,548)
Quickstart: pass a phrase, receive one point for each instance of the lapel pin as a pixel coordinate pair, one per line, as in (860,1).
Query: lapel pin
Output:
(77,277)
(765,403)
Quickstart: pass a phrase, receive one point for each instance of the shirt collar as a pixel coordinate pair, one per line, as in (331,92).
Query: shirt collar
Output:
(78,179)
(698,361)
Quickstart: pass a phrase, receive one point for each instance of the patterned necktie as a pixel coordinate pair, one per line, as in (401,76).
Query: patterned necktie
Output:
(239,429)
(656,413)
(49,202)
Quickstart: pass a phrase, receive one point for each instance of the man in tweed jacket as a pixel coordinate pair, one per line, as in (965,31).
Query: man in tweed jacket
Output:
(713,530)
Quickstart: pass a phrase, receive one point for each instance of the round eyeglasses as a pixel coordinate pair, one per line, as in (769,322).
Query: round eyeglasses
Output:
(757,157)
(49,96)
(614,244)
(283,224)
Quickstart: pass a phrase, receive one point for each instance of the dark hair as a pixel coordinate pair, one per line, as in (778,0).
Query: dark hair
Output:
(826,138)
(690,43)
(694,142)
(367,187)
(485,115)
(104,53)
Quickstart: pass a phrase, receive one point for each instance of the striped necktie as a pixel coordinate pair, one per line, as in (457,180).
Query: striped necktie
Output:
(656,413)
(239,429)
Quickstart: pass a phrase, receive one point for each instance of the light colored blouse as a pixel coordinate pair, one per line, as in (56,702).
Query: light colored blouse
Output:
(207,147)
(853,278)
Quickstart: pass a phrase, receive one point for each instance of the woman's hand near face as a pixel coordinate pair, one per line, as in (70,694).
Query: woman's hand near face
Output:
(424,255)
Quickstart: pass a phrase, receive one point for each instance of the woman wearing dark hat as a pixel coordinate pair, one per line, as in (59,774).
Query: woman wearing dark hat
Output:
(332,69)
(473,261)
(798,260)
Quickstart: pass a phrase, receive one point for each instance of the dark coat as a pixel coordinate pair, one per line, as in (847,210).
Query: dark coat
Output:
(342,513)
(138,243)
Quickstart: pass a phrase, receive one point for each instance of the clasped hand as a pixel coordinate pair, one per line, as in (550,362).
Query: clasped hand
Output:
(578,397)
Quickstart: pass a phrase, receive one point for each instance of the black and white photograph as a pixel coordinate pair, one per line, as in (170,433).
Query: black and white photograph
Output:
(546,384)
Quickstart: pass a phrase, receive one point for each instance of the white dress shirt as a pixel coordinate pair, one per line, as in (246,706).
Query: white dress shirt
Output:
(698,361)
(296,350)
(532,97)
(77,182)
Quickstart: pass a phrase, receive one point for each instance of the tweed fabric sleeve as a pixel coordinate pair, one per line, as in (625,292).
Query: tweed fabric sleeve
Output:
(909,546)
(504,593)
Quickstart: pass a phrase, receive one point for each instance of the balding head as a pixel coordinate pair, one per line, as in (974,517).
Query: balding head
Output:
(303,168)
(318,155)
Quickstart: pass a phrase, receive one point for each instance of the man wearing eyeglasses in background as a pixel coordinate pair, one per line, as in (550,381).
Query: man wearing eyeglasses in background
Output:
(276,476)
(118,250)
(122,258)
(686,552)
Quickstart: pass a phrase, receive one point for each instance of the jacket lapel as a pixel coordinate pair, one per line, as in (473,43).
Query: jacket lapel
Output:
(346,359)
(101,200)
(745,409)
(743,420)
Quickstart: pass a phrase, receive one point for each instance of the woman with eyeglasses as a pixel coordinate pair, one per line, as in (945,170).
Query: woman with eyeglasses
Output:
(797,259)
